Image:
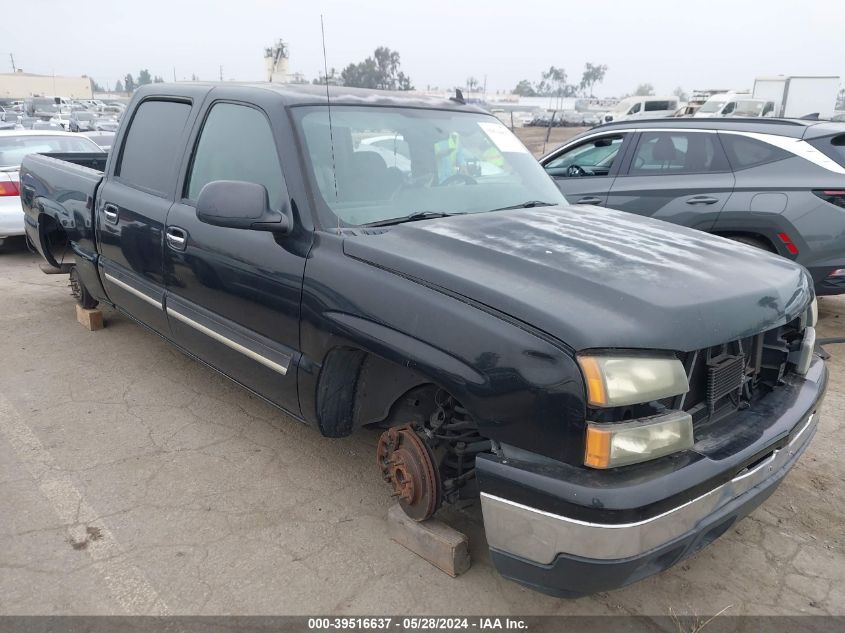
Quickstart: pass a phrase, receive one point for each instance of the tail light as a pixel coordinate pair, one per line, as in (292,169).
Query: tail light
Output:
(833,196)
(10,188)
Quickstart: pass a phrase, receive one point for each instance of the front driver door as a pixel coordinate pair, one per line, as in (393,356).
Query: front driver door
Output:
(584,172)
(233,294)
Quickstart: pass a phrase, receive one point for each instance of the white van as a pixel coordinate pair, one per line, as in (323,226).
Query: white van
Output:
(642,108)
(721,104)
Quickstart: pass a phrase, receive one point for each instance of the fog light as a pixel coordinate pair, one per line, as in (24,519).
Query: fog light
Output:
(619,444)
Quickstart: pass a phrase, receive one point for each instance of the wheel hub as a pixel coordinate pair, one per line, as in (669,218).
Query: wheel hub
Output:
(407,464)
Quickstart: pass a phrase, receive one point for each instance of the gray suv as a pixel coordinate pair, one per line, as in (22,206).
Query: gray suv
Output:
(777,184)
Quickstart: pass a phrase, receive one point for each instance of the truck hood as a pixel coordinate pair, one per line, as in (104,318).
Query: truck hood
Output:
(594,277)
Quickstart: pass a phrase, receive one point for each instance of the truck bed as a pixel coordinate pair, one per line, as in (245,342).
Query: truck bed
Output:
(57,195)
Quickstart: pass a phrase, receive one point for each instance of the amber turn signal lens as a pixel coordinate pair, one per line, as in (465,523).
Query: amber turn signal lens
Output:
(597,453)
(596,392)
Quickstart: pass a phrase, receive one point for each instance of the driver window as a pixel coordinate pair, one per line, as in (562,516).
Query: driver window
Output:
(635,109)
(593,158)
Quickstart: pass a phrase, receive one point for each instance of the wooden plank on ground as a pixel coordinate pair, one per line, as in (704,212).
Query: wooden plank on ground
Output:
(89,319)
(442,546)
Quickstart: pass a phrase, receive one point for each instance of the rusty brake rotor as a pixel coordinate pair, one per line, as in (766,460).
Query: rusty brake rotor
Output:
(407,464)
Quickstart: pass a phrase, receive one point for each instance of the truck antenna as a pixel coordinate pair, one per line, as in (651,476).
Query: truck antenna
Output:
(329,104)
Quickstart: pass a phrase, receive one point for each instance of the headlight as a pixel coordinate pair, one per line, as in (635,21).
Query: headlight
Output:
(615,380)
(621,443)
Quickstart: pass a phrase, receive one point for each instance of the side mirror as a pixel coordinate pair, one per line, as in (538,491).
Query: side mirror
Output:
(239,205)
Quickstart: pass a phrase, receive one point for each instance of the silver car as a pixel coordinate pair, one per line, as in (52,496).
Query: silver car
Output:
(14,145)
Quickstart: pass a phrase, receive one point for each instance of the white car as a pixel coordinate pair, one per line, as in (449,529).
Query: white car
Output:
(14,145)
(721,104)
(642,108)
(62,119)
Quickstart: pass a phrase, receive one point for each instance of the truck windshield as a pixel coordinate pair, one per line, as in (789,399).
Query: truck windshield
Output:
(378,164)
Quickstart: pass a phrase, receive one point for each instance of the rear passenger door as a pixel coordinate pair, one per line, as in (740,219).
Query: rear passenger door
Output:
(233,294)
(585,171)
(132,206)
(680,176)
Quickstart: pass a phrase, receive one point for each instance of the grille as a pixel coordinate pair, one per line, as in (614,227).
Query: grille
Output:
(724,377)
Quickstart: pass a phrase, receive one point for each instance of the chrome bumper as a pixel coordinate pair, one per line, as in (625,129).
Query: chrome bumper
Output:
(539,536)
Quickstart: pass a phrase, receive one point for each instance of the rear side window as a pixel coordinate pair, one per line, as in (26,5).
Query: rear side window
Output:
(153,145)
(665,153)
(236,143)
(832,147)
(654,106)
(744,152)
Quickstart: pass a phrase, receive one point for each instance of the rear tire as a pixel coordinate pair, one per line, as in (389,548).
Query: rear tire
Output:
(80,292)
(756,242)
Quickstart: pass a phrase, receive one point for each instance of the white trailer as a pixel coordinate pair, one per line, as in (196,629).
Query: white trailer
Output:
(799,96)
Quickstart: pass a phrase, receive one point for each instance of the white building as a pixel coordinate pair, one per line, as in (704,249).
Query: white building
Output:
(20,85)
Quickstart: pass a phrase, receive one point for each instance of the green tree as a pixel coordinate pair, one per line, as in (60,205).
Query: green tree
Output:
(644,90)
(144,77)
(840,100)
(118,87)
(525,89)
(553,84)
(95,87)
(472,84)
(158,80)
(129,83)
(593,74)
(381,71)
(679,92)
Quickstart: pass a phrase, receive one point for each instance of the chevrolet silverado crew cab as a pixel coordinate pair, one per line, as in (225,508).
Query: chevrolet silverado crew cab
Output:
(618,390)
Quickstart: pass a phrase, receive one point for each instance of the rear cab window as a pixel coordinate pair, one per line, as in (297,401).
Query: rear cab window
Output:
(153,147)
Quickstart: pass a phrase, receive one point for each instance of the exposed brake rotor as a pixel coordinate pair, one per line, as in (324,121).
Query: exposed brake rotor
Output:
(407,464)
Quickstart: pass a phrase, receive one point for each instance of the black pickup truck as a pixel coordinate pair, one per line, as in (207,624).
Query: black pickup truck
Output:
(618,390)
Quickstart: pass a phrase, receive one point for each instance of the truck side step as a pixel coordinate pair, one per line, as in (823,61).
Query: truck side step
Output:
(47,269)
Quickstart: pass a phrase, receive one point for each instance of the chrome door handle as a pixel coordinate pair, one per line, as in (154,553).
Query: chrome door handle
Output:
(589,200)
(702,200)
(110,212)
(177,238)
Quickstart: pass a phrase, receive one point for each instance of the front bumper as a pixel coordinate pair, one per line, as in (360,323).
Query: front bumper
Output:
(571,554)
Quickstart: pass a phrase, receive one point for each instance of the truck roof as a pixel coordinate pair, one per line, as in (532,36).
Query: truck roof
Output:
(306,94)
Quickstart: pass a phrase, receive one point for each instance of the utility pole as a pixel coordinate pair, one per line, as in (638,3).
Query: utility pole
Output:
(174,74)
(12,57)
(221,73)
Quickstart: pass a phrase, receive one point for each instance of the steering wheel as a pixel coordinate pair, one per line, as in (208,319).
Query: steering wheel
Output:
(456,178)
(574,171)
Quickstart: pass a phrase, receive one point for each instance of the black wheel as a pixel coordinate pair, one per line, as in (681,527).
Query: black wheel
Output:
(756,242)
(80,292)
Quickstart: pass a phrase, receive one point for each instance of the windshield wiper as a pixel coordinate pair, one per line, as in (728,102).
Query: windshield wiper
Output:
(530,204)
(413,217)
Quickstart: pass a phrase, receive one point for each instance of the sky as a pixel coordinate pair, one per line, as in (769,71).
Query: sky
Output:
(694,45)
